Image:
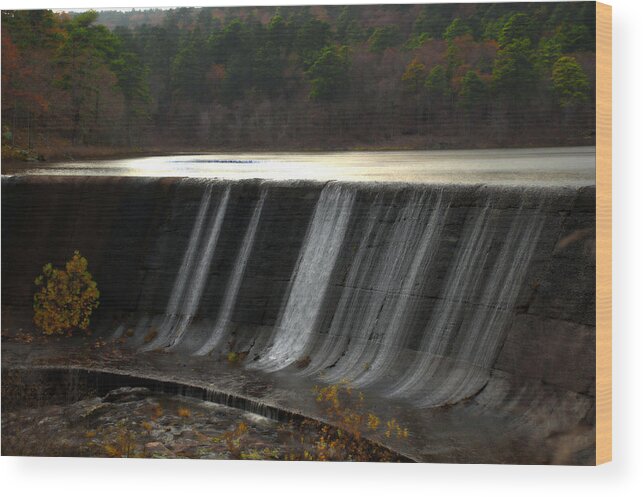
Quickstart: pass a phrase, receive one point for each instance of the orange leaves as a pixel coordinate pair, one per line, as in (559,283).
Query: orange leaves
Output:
(373,422)
(234,439)
(393,428)
(18,77)
(184,412)
(65,299)
(345,410)
(10,57)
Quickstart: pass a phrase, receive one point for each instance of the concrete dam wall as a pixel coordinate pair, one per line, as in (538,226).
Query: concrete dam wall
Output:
(417,292)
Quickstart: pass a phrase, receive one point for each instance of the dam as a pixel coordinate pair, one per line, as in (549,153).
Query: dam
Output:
(462,298)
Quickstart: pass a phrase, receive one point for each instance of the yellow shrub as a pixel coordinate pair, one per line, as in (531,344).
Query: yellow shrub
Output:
(345,409)
(65,298)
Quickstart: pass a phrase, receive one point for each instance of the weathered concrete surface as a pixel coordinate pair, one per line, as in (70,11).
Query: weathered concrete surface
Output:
(134,232)
(537,425)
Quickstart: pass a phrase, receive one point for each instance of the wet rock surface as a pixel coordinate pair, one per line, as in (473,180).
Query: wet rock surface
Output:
(132,422)
(141,425)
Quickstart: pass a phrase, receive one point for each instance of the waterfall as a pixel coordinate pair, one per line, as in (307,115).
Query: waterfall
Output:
(460,288)
(404,307)
(397,265)
(187,263)
(333,344)
(200,275)
(457,354)
(192,275)
(380,327)
(311,277)
(232,288)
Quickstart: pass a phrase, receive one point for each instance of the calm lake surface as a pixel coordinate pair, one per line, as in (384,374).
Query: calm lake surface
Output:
(569,166)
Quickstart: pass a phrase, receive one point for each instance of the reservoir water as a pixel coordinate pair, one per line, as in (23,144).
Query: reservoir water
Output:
(571,166)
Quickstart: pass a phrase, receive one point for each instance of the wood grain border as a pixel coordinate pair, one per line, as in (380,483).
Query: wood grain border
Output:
(603,233)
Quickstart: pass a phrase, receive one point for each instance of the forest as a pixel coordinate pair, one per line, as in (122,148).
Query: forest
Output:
(438,76)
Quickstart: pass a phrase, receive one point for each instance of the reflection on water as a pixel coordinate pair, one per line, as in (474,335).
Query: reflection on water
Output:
(557,166)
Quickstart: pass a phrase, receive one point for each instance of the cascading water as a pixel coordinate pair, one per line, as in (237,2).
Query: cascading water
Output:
(460,345)
(397,322)
(460,289)
(370,324)
(311,278)
(390,282)
(232,288)
(327,351)
(185,297)
(178,291)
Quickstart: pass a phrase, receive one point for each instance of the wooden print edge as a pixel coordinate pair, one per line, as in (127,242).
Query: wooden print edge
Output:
(603,233)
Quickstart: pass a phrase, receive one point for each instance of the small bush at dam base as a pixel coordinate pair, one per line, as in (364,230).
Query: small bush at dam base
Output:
(65,298)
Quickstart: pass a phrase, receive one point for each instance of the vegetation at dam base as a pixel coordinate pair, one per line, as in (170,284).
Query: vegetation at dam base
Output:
(63,302)
(131,422)
(320,77)
(65,298)
(42,417)
(67,419)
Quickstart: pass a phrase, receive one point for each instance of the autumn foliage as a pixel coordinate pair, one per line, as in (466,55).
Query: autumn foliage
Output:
(324,77)
(349,421)
(65,298)
(347,435)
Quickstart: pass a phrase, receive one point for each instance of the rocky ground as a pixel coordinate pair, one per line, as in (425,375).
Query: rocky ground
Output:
(133,422)
(470,431)
(45,418)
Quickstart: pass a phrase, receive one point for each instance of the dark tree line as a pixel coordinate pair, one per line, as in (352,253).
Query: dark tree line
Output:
(417,76)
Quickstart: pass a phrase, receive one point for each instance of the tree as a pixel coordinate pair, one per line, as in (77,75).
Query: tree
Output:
(329,74)
(245,76)
(131,75)
(473,92)
(514,74)
(84,58)
(384,37)
(310,38)
(26,69)
(576,38)
(65,298)
(457,28)
(279,33)
(268,70)
(570,82)
(549,51)
(414,76)
(348,27)
(437,83)
(519,26)
(433,20)
(188,71)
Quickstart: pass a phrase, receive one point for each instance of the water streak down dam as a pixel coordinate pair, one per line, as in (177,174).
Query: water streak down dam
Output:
(428,295)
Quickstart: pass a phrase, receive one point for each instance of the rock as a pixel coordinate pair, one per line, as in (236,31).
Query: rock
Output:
(185,444)
(157,450)
(85,409)
(127,394)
